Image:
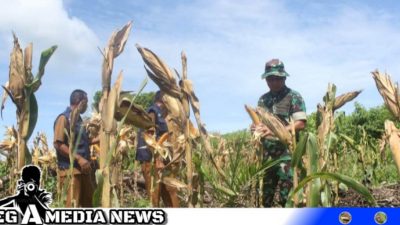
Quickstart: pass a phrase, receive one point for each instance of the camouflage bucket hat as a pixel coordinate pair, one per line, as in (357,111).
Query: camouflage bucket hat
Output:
(274,67)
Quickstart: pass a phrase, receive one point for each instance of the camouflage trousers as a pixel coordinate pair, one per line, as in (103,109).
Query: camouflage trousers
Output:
(280,176)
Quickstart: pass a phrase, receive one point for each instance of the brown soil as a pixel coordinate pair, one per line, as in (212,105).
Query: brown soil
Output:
(386,196)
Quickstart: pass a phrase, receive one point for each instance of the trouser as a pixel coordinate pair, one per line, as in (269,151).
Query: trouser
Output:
(168,194)
(82,191)
(279,176)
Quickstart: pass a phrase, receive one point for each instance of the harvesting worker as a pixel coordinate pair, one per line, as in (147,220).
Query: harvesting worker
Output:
(158,113)
(83,184)
(284,103)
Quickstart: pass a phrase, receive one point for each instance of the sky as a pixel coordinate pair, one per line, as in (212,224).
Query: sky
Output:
(227,44)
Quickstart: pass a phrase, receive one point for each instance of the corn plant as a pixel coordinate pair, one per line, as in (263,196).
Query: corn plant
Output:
(8,149)
(178,100)
(235,155)
(42,156)
(390,93)
(320,156)
(107,107)
(367,152)
(21,87)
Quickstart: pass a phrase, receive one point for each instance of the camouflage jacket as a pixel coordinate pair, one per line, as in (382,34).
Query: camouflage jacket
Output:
(285,104)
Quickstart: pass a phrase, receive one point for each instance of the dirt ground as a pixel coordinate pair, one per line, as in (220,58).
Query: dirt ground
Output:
(386,196)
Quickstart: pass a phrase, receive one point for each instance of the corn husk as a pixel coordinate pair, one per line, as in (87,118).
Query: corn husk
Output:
(389,92)
(173,182)
(276,126)
(253,115)
(159,72)
(17,75)
(175,109)
(393,137)
(344,98)
(47,158)
(8,145)
(157,146)
(28,63)
(93,125)
(194,132)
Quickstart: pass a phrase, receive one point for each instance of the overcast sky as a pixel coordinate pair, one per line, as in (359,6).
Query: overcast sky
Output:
(227,44)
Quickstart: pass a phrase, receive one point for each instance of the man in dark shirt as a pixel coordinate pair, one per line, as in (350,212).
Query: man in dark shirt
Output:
(83,184)
(169,195)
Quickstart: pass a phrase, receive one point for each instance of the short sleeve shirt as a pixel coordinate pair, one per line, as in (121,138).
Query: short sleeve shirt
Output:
(59,129)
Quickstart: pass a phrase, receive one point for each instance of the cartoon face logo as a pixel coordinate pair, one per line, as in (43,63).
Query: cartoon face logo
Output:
(29,194)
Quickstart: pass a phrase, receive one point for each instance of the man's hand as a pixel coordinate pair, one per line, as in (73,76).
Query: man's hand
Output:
(159,164)
(261,129)
(84,164)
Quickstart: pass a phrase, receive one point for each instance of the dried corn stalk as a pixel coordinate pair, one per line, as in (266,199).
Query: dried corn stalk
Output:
(8,148)
(177,101)
(391,95)
(389,91)
(178,119)
(326,125)
(107,106)
(43,156)
(257,156)
(393,137)
(159,72)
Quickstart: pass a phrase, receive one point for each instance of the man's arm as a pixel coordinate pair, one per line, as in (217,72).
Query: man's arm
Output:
(7,202)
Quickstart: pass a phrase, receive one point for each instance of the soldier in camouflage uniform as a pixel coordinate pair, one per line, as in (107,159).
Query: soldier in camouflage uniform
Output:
(284,103)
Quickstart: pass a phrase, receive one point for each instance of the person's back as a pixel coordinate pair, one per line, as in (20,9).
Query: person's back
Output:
(143,154)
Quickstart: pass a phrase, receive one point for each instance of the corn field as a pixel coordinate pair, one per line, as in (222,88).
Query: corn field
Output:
(207,169)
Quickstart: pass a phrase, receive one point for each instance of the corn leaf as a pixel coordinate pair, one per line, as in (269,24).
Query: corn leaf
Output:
(44,58)
(6,93)
(350,182)
(99,190)
(312,153)
(33,115)
(300,150)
